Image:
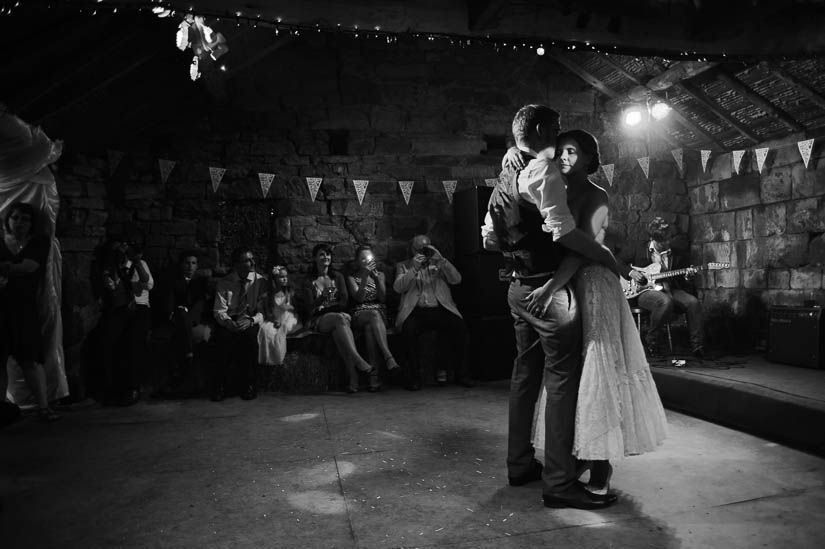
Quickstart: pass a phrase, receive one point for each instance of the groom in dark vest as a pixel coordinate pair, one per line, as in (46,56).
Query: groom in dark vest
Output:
(528,220)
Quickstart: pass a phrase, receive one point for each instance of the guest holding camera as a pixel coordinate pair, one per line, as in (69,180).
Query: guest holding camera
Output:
(427,304)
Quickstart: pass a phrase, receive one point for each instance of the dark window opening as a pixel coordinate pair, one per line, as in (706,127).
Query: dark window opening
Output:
(339,142)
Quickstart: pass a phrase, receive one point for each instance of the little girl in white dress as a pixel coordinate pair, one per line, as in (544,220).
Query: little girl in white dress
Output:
(279,318)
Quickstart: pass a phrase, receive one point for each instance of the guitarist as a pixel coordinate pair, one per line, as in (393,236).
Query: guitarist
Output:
(676,293)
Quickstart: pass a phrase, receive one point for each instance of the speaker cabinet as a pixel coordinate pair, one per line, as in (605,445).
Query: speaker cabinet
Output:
(469,209)
(795,336)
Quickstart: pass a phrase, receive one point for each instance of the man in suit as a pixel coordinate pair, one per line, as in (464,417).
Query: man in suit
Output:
(676,294)
(423,281)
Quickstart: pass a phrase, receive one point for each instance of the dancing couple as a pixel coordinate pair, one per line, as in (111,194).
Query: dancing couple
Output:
(579,354)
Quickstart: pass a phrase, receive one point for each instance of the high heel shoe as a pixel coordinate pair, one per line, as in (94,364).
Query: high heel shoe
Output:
(391,363)
(364,366)
(600,479)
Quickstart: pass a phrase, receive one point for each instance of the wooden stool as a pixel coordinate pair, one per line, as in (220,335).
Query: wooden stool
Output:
(637,314)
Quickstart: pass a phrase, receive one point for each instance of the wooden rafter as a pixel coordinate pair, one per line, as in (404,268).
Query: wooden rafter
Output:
(481,13)
(770,109)
(699,96)
(802,88)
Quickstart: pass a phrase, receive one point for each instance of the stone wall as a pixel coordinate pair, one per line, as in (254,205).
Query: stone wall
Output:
(768,226)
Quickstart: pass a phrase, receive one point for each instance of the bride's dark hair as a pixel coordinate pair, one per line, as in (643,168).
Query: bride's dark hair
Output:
(588,145)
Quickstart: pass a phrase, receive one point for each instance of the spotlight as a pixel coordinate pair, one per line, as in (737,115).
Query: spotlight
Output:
(633,116)
(660,110)
(540,51)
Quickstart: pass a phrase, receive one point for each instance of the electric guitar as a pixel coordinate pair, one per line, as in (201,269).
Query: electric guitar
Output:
(652,273)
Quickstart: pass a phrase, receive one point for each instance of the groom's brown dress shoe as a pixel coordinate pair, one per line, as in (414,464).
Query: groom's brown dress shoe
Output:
(533,474)
(579,498)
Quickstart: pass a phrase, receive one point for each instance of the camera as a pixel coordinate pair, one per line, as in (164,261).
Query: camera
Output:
(428,252)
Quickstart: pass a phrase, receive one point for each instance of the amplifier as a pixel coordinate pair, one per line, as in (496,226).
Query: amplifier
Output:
(795,336)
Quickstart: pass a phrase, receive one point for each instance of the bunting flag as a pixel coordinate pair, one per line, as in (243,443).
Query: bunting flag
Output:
(449,188)
(313,184)
(216,174)
(678,155)
(114,160)
(705,157)
(360,188)
(736,156)
(491,182)
(644,162)
(406,190)
(266,182)
(805,148)
(608,173)
(166,167)
(761,155)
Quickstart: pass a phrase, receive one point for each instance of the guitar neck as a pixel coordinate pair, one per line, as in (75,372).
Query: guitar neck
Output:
(668,274)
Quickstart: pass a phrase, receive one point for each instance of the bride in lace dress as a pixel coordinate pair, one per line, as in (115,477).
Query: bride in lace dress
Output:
(618,411)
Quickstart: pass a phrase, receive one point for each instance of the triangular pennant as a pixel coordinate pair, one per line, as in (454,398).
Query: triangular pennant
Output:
(216,174)
(761,155)
(491,182)
(166,167)
(406,190)
(644,162)
(449,188)
(360,188)
(114,160)
(678,155)
(705,156)
(313,184)
(805,148)
(608,173)
(266,181)
(736,156)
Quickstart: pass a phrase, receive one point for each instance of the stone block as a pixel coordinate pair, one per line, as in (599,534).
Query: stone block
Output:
(349,117)
(87,203)
(69,186)
(770,220)
(816,251)
(713,227)
(175,228)
(739,192)
(744,224)
(95,189)
(78,244)
(283,229)
(755,278)
(749,254)
(806,215)
(785,251)
(160,240)
(727,278)
(705,198)
(669,185)
(670,203)
(351,208)
(806,278)
(457,146)
(327,233)
(390,119)
(776,185)
(208,230)
(362,146)
(808,182)
(162,213)
(96,218)
(94,231)
(779,279)
(719,168)
(387,144)
(141,191)
(718,252)
(478,172)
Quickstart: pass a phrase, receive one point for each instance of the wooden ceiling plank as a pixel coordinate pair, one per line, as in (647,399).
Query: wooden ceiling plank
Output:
(481,13)
(696,129)
(762,103)
(802,88)
(699,96)
(615,65)
(576,69)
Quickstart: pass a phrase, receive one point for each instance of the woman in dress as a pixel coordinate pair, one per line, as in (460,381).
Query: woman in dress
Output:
(368,291)
(618,412)
(328,299)
(279,318)
(23,255)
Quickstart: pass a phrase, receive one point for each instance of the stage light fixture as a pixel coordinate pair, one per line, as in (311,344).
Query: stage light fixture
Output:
(660,110)
(633,116)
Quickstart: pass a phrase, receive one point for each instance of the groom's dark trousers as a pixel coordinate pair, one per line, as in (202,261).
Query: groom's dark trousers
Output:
(548,348)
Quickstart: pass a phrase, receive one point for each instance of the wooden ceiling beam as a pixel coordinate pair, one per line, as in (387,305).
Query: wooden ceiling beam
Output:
(482,13)
(700,97)
(769,108)
(799,86)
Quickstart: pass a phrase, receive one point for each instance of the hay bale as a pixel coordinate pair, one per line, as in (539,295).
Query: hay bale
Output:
(311,365)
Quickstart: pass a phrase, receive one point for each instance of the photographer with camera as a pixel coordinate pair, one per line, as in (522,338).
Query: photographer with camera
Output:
(427,304)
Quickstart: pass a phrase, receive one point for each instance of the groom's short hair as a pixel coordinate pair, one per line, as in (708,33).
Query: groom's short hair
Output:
(530,116)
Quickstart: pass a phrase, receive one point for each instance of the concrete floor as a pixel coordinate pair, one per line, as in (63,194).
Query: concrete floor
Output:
(377,470)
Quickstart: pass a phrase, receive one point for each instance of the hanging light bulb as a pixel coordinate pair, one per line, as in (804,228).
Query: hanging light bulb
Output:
(660,110)
(540,50)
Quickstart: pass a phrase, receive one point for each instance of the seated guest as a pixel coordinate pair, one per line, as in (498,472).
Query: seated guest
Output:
(126,321)
(327,300)
(368,292)
(236,335)
(23,255)
(427,304)
(279,317)
(186,307)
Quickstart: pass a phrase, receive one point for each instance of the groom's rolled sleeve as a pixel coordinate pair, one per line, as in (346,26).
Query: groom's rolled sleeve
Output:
(548,190)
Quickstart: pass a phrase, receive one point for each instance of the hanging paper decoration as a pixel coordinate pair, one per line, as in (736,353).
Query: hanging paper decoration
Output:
(761,155)
(266,181)
(406,190)
(608,173)
(491,182)
(678,155)
(216,174)
(805,148)
(313,184)
(166,167)
(736,156)
(705,157)
(449,188)
(360,188)
(644,162)
(114,160)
